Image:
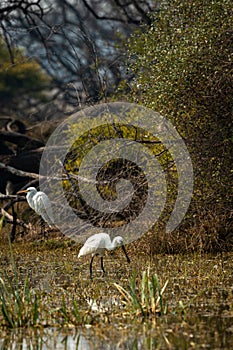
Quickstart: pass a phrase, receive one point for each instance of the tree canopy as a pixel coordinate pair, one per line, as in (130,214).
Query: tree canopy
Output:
(77,43)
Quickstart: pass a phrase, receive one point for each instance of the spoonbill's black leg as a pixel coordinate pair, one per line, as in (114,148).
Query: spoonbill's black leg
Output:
(91,266)
(102,265)
(124,250)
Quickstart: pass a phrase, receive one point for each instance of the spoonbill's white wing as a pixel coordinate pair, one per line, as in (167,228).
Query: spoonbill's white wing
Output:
(95,244)
(43,207)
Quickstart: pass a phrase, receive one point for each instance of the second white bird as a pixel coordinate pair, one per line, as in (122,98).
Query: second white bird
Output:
(40,203)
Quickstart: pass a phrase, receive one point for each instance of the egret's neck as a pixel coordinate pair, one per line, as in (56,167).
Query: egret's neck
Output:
(29,197)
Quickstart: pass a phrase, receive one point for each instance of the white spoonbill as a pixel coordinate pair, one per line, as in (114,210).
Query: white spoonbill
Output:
(40,203)
(97,244)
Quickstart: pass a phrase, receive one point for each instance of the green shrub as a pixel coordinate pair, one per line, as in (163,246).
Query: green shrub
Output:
(182,68)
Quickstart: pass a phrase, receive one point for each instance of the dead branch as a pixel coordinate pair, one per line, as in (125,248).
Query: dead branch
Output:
(12,197)
(11,219)
(18,172)
(37,176)
(20,140)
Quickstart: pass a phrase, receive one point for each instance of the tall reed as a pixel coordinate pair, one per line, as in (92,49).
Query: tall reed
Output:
(144,296)
(19,304)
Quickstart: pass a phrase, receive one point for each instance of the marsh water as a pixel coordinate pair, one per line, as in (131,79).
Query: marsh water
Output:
(198,299)
(196,332)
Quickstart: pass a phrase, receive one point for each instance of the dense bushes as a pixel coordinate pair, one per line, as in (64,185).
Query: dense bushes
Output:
(182,67)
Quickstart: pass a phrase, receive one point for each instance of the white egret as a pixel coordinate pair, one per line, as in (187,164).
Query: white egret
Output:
(97,244)
(40,203)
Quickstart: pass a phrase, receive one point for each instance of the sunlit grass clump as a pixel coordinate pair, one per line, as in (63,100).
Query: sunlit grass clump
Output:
(144,297)
(19,306)
(19,303)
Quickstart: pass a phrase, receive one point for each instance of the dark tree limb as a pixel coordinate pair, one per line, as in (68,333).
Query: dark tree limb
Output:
(10,218)
(9,122)
(18,172)
(25,6)
(20,140)
(14,223)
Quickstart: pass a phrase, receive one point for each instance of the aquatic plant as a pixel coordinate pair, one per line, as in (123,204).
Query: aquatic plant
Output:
(19,304)
(146,296)
(70,315)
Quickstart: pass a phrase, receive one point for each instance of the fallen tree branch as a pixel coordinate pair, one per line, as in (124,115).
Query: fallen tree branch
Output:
(21,140)
(18,172)
(11,219)
(11,196)
(37,176)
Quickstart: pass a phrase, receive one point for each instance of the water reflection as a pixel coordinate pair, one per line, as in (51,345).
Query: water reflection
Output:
(170,333)
(50,339)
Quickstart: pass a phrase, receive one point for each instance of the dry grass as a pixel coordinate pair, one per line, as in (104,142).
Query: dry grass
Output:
(199,286)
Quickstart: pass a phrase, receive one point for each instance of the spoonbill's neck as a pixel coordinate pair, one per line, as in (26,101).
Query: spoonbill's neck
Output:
(114,243)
